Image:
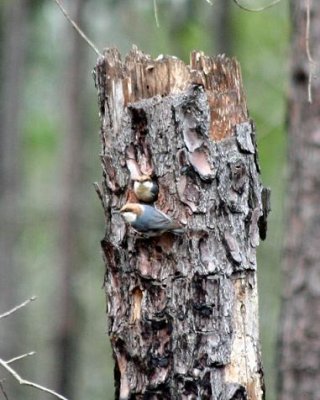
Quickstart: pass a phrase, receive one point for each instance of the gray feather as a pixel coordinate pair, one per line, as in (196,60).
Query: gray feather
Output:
(152,220)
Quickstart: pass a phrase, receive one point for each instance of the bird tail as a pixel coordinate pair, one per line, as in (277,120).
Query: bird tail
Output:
(177,229)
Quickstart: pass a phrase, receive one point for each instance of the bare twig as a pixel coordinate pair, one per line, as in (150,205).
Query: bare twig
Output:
(3,391)
(76,27)
(308,32)
(310,59)
(22,381)
(99,192)
(6,314)
(273,3)
(31,353)
(155,7)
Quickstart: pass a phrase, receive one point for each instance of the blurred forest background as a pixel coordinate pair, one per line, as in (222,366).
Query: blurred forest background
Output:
(51,219)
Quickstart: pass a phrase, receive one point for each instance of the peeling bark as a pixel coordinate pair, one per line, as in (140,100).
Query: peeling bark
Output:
(182,311)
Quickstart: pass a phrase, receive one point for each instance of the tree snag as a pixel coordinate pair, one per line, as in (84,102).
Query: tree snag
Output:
(182,310)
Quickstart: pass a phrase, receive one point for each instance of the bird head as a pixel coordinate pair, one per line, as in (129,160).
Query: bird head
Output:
(143,180)
(145,188)
(131,211)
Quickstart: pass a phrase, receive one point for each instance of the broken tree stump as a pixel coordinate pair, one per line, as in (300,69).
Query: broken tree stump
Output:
(182,311)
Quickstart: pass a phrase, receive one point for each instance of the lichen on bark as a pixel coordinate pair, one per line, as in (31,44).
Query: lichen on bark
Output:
(182,311)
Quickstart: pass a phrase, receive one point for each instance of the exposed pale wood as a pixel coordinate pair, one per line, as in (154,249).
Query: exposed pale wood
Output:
(141,77)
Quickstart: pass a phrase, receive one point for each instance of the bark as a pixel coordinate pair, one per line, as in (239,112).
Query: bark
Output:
(182,311)
(299,344)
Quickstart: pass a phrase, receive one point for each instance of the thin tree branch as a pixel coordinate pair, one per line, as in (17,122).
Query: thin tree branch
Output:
(6,314)
(31,353)
(3,391)
(99,192)
(155,7)
(273,3)
(77,28)
(308,32)
(310,59)
(310,82)
(22,381)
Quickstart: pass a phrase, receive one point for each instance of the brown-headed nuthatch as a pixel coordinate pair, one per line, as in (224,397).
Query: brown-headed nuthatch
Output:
(148,220)
(146,189)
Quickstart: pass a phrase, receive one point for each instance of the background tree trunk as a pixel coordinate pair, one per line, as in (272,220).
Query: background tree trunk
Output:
(221,27)
(183,311)
(14,51)
(14,41)
(299,345)
(70,250)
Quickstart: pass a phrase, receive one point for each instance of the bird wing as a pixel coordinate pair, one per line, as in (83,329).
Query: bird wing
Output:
(157,221)
(161,219)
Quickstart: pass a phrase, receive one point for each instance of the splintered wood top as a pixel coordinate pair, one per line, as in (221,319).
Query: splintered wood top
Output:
(140,77)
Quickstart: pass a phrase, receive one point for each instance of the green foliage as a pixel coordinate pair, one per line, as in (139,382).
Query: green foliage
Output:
(40,135)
